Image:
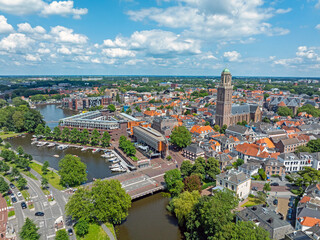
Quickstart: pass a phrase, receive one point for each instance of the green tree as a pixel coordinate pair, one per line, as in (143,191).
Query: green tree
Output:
(305,177)
(111,108)
(84,136)
(65,135)
(262,196)
(180,137)
(4,167)
(7,145)
(266,187)
(47,132)
(303,149)
(82,227)
(15,172)
(138,109)
(210,215)
(4,186)
(184,204)
(44,183)
(207,123)
(223,129)
(241,230)
(72,171)
(44,168)
(118,98)
(262,174)
(216,128)
(192,183)
(22,183)
(61,235)
(8,155)
(74,135)
(29,230)
(56,133)
(105,201)
(39,130)
(18,120)
(129,111)
(238,163)
(32,118)
(20,150)
(95,137)
(173,181)
(314,145)
(266,120)
(265,96)
(212,167)
(105,140)
(285,111)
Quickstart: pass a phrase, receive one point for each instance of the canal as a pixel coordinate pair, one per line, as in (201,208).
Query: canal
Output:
(148,218)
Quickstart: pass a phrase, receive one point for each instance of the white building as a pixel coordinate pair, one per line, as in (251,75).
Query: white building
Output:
(236,181)
(296,162)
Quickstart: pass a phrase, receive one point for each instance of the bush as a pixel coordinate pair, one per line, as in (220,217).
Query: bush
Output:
(82,228)
(251,195)
(11,213)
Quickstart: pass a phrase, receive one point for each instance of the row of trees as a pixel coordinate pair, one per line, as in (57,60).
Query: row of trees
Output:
(74,136)
(308,108)
(127,146)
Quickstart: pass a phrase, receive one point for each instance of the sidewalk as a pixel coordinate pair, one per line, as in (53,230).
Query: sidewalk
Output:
(106,229)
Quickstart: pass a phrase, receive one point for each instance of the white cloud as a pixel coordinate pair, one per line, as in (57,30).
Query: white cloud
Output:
(64,51)
(63,8)
(118,53)
(232,56)
(318,27)
(63,34)
(318,4)
(32,58)
(15,41)
(44,50)
(4,26)
(22,7)
(26,28)
(283,11)
(226,19)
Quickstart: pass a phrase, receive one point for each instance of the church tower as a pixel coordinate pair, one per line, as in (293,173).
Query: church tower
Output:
(224,99)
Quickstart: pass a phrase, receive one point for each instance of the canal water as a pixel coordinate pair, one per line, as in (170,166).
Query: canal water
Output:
(148,218)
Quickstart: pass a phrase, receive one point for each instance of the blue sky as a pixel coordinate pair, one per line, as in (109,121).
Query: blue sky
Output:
(160,37)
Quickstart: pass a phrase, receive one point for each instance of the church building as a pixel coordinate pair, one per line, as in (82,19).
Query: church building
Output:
(228,113)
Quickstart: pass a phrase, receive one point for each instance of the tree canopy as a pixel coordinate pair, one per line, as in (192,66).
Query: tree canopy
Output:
(29,231)
(181,137)
(174,182)
(105,201)
(285,111)
(72,171)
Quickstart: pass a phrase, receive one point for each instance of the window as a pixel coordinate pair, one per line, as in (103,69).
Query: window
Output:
(226,185)
(232,187)
(221,182)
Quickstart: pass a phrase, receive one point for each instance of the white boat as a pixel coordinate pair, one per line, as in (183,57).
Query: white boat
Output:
(117,165)
(56,156)
(113,159)
(96,150)
(84,149)
(34,142)
(108,155)
(51,145)
(62,147)
(119,169)
(41,144)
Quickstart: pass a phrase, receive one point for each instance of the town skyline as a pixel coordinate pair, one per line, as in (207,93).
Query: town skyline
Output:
(184,37)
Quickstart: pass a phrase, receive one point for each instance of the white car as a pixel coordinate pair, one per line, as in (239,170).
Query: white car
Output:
(19,194)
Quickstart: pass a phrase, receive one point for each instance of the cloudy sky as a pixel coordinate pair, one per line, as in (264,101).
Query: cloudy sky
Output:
(160,37)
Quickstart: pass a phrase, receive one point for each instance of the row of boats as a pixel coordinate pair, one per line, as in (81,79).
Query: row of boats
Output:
(108,154)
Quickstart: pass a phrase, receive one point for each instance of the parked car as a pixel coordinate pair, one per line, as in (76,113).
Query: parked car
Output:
(290,204)
(12,195)
(39,214)
(19,194)
(254,189)
(275,202)
(290,210)
(70,232)
(13,199)
(274,184)
(9,192)
(12,185)
(289,216)
(23,205)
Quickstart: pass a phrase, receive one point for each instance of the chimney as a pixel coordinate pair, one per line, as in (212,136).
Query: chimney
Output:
(270,220)
(254,208)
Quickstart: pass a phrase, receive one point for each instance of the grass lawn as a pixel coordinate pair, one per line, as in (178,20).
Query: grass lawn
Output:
(252,202)
(95,233)
(30,175)
(31,206)
(53,178)
(208,184)
(8,200)
(25,194)
(5,135)
(11,213)
(45,191)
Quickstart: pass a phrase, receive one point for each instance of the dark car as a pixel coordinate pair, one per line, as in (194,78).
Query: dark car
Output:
(254,189)
(12,185)
(9,192)
(289,216)
(70,232)
(275,202)
(290,204)
(23,205)
(13,199)
(274,184)
(39,214)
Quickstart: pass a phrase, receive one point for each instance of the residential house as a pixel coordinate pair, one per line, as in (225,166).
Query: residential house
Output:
(236,181)
(193,151)
(249,168)
(274,167)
